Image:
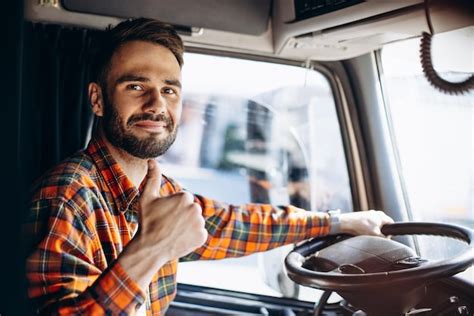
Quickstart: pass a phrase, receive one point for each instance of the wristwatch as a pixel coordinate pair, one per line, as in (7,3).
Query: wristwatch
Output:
(334,222)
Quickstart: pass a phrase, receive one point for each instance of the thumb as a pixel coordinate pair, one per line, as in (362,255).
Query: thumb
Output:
(151,188)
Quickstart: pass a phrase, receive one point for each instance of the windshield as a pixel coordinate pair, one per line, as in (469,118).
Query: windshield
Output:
(433,134)
(261,132)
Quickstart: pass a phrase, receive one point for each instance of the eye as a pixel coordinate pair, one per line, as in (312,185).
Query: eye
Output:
(134,87)
(169,91)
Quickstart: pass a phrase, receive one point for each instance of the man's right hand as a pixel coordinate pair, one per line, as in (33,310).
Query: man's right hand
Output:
(169,227)
(174,224)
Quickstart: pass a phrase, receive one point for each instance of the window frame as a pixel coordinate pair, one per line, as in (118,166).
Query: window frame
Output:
(380,167)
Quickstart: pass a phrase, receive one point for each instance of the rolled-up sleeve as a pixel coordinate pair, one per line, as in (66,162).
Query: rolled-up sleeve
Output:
(241,230)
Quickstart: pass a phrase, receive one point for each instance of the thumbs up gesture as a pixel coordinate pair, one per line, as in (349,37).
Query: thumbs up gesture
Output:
(172,225)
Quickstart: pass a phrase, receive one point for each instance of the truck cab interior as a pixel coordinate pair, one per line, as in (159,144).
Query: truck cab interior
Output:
(322,104)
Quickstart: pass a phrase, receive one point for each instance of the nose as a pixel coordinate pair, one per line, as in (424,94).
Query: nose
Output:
(156,103)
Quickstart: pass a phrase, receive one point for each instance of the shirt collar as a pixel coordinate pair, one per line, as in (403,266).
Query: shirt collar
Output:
(121,187)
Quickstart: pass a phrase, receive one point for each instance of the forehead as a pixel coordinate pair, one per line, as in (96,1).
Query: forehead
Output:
(145,58)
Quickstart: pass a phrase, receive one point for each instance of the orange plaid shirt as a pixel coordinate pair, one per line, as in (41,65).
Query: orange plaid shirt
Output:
(81,217)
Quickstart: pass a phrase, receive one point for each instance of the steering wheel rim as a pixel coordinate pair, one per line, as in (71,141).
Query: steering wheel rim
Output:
(348,282)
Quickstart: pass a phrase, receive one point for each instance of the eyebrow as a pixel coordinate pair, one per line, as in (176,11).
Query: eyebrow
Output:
(127,78)
(173,82)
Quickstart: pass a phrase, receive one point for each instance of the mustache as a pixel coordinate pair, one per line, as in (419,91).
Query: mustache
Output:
(150,117)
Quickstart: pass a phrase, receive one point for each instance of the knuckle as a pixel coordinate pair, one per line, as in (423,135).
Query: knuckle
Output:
(180,195)
(203,236)
(202,222)
(196,208)
(184,197)
(188,196)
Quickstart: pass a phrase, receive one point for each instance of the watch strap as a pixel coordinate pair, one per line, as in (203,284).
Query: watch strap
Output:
(334,222)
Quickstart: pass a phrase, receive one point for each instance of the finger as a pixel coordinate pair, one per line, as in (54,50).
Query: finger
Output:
(189,197)
(386,219)
(378,233)
(389,220)
(151,188)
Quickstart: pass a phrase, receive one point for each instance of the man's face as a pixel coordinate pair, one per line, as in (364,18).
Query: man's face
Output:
(142,104)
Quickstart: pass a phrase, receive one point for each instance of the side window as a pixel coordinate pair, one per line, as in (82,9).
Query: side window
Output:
(434,133)
(256,132)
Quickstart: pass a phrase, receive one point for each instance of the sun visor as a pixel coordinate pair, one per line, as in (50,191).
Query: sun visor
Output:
(254,15)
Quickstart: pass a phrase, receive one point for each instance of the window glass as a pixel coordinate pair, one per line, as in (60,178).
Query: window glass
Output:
(256,132)
(433,133)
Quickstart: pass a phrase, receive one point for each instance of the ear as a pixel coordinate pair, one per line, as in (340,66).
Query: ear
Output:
(96,99)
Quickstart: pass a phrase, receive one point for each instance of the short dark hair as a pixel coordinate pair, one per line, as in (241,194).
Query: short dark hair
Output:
(140,29)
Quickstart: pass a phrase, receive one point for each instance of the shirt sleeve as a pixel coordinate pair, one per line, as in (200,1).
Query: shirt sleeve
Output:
(62,277)
(241,230)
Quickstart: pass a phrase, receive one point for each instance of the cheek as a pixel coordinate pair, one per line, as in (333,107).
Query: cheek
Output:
(115,116)
(124,112)
(126,103)
(175,113)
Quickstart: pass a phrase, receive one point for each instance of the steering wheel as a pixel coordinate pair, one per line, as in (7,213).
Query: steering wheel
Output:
(376,274)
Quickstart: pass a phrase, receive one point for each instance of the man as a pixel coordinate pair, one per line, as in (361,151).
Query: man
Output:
(108,228)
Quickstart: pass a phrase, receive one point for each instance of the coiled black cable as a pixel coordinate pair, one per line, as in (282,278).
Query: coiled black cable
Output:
(427,64)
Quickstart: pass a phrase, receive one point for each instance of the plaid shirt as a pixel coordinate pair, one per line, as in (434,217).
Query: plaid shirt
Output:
(81,217)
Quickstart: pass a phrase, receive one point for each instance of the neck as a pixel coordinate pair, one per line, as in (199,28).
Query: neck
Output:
(135,168)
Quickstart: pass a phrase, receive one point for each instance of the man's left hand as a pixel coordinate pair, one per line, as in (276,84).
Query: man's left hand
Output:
(364,222)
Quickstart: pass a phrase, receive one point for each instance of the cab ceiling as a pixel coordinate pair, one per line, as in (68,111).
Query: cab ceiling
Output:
(269,28)
(242,16)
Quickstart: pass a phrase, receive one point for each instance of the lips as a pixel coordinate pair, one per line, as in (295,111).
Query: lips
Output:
(152,125)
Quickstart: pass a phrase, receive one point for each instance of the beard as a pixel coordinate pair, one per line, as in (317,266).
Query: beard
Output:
(120,135)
